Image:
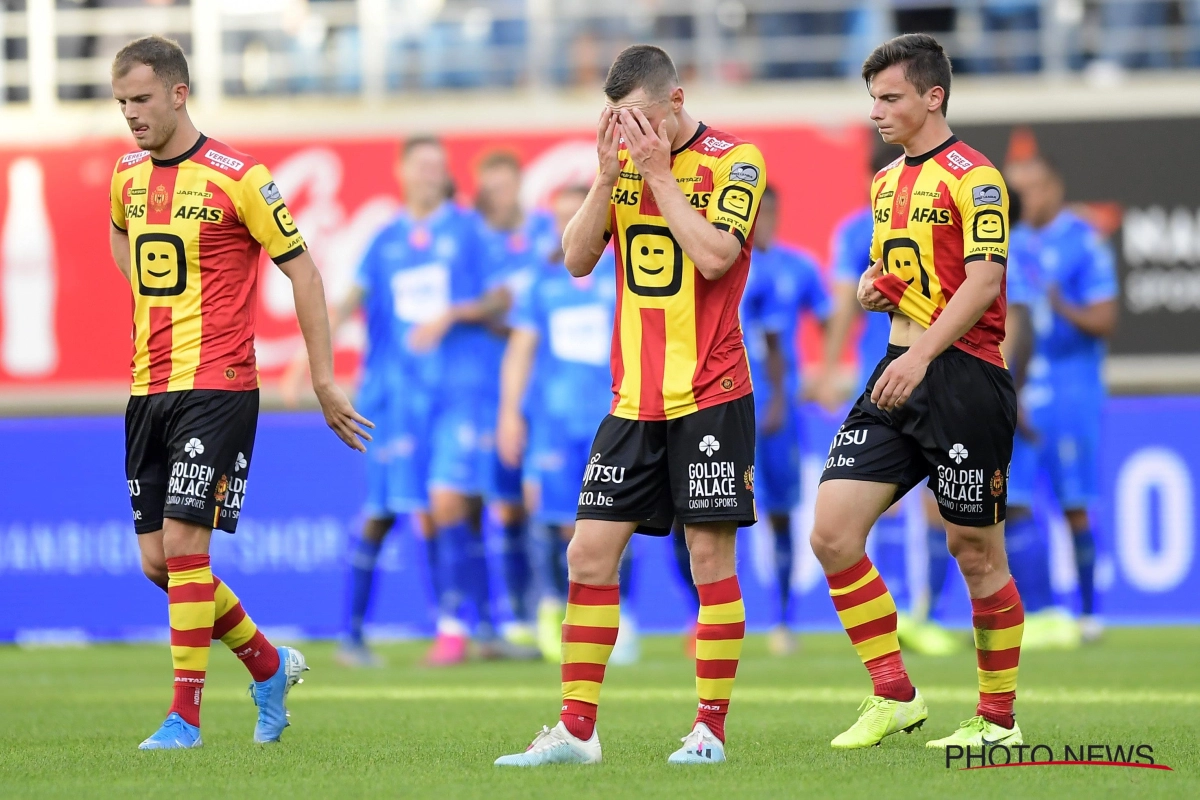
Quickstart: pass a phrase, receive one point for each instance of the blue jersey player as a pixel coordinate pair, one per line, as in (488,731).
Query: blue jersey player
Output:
(1064,393)
(517,244)
(556,386)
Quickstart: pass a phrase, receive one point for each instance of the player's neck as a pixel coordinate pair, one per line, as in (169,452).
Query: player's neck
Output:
(420,211)
(508,221)
(184,139)
(934,132)
(687,129)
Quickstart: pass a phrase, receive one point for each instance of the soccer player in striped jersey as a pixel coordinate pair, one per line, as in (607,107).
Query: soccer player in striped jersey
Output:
(678,200)
(190,218)
(940,406)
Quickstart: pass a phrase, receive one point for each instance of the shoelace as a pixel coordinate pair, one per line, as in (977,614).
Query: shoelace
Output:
(544,733)
(977,723)
(870,704)
(693,739)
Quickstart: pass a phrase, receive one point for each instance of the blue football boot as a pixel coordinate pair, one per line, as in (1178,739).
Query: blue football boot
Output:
(270,695)
(175,734)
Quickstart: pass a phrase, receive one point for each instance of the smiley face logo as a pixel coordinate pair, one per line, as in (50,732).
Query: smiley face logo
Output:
(160,259)
(653,261)
(737,201)
(902,257)
(989,226)
(283,218)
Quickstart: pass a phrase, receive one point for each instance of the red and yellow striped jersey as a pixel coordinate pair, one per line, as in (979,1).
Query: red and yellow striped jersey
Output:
(677,343)
(934,214)
(197,224)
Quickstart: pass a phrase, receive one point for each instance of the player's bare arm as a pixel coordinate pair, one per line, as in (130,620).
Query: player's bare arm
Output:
(487,310)
(983,284)
(585,236)
(713,251)
(1096,319)
(118,242)
(309,294)
(777,377)
(515,369)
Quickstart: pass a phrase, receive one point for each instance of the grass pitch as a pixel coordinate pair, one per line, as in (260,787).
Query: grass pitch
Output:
(71,719)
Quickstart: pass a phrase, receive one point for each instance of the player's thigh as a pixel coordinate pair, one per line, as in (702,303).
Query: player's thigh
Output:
(846,510)
(405,461)
(625,478)
(560,468)
(710,454)
(455,463)
(594,555)
(777,470)
(147,468)
(210,443)
(966,431)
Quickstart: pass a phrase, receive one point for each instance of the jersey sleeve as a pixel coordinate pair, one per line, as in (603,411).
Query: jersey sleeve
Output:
(738,183)
(850,252)
(116,202)
(1100,281)
(982,200)
(262,210)
(813,296)
(876,242)
(366,274)
(524,311)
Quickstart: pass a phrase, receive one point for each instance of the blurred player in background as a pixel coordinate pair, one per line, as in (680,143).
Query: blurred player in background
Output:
(421,286)
(940,406)
(189,212)
(851,253)
(1064,394)
(555,389)
(517,244)
(680,435)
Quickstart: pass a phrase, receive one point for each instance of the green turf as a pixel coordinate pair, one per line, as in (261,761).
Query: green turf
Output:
(71,719)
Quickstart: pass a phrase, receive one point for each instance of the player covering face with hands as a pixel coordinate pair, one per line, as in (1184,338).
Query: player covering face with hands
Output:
(941,405)
(190,218)
(677,201)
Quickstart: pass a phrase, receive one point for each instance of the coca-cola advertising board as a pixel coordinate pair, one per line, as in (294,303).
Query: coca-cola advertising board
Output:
(65,311)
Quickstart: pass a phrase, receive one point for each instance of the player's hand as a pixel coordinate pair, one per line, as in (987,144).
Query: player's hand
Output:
(776,414)
(426,337)
(1025,428)
(511,437)
(608,145)
(649,149)
(869,297)
(827,393)
(899,381)
(342,418)
(292,381)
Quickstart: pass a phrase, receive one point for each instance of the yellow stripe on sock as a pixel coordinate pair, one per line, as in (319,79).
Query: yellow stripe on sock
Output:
(186,616)
(1004,680)
(878,646)
(593,616)
(714,688)
(224,598)
(587,691)
(1002,639)
(722,613)
(858,584)
(585,653)
(192,658)
(866,612)
(198,575)
(239,634)
(718,649)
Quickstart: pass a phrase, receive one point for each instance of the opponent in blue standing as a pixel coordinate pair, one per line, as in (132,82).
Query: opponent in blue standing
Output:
(421,287)
(784,282)
(850,248)
(517,244)
(1064,394)
(556,385)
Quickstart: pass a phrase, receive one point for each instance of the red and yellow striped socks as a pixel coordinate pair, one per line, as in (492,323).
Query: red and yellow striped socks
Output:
(999,621)
(868,613)
(238,632)
(191,609)
(720,630)
(589,632)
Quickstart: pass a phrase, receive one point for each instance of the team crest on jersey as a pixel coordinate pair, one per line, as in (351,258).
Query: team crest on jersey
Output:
(222,488)
(997,484)
(902,200)
(134,158)
(748,478)
(159,198)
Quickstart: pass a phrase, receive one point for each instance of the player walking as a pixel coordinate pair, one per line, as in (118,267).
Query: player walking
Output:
(190,217)
(939,406)
(680,200)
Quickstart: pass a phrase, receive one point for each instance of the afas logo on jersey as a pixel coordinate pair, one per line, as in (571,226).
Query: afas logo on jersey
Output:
(202,213)
(934,216)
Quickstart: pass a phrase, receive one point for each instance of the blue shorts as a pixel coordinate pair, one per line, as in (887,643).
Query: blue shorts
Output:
(456,434)
(501,483)
(555,464)
(398,455)
(777,466)
(1067,451)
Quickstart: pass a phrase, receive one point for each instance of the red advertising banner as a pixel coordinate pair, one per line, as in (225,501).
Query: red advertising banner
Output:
(65,309)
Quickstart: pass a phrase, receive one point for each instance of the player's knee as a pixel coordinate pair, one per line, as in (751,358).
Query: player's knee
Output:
(973,553)
(588,563)
(831,546)
(155,571)
(376,529)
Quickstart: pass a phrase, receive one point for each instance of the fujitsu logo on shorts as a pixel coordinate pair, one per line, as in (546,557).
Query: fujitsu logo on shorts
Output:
(602,473)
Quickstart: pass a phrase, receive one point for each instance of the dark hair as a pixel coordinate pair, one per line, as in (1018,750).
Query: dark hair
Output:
(769,193)
(641,66)
(413,142)
(162,55)
(925,63)
(500,158)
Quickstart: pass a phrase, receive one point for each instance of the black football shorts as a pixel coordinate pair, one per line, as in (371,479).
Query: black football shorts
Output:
(956,431)
(187,456)
(697,468)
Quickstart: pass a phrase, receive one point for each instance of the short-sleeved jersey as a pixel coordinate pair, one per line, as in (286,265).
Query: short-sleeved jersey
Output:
(197,224)
(573,318)
(851,249)
(677,345)
(783,283)
(412,273)
(934,214)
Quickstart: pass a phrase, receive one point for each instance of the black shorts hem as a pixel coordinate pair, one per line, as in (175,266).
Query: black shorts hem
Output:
(973,521)
(741,519)
(147,527)
(866,478)
(200,519)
